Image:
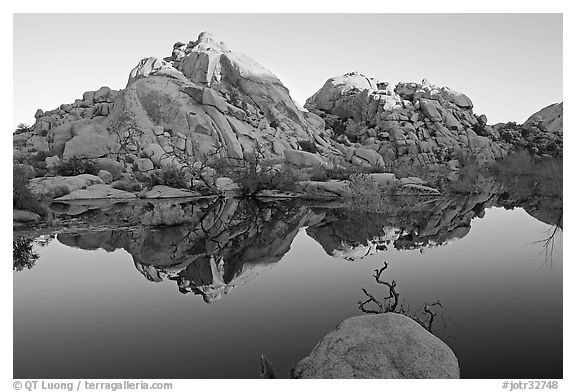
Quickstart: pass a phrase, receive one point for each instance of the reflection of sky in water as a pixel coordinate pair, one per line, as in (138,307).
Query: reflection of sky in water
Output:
(92,314)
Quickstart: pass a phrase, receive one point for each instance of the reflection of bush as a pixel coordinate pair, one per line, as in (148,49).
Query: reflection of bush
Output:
(166,215)
(23,255)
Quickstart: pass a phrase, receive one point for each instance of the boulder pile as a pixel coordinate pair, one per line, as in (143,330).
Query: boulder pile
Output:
(415,122)
(205,104)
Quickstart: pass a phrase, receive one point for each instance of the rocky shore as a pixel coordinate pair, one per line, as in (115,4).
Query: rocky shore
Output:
(207,121)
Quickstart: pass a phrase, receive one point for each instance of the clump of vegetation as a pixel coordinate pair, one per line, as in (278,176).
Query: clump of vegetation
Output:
(526,174)
(22,197)
(22,128)
(341,171)
(364,192)
(522,162)
(165,215)
(38,162)
(75,166)
(255,179)
(222,166)
(171,177)
(255,173)
(23,255)
(533,137)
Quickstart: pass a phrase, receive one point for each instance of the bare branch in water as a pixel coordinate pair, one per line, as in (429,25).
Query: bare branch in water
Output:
(370,299)
(394,296)
(428,310)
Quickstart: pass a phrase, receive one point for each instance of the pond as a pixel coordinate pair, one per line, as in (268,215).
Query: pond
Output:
(245,278)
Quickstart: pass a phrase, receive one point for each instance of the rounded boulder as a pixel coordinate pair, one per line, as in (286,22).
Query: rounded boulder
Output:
(387,345)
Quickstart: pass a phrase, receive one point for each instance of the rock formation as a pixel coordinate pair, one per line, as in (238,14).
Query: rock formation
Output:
(551,117)
(387,345)
(205,103)
(418,123)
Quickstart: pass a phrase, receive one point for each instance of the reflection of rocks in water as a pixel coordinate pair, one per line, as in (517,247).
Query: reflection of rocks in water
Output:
(344,236)
(437,221)
(547,211)
(229,243)
(534,185)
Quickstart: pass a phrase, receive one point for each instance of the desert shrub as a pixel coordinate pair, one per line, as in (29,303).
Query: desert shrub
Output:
(363,191)
(171,177)
(165,215)
(253,181)
(337,172)
(520,162)
(308,146)
(38,161)
(141,177)
(22,254)
(480,129)
(75,166)
(222,166)
(523,163)
(255,173)
(22,128)
(366,195)
(22,197)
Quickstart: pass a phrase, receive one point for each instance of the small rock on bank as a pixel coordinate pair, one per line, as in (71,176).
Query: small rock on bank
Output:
(387,345)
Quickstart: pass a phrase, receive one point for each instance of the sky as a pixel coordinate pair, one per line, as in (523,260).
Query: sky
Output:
(510,65)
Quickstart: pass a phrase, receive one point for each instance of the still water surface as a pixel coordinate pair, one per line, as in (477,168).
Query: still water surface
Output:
(90,313)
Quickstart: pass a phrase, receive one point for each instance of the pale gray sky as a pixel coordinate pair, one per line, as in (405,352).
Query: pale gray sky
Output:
(510,65)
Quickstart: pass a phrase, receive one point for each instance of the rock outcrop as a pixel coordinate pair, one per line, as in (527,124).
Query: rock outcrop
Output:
(551,117)
(387,345)
(202,104)
(205,104)
(416,122)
